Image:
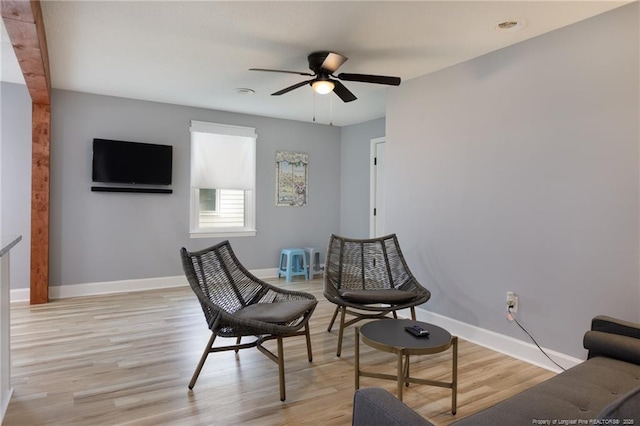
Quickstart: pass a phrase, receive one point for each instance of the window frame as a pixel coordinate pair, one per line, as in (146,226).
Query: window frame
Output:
(249,228)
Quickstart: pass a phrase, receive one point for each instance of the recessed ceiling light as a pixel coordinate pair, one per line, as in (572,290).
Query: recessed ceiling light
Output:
(510,25)
(244,91)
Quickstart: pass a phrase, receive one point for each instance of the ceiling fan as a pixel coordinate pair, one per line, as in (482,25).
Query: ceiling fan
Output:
(324,64)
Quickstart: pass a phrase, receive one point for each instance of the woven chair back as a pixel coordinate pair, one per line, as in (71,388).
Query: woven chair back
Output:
(366,264)
(216,274)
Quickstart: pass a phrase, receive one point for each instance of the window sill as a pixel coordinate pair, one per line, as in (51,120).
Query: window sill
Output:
(222,234)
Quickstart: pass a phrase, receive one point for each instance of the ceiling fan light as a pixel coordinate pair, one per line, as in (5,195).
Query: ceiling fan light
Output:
(323,87)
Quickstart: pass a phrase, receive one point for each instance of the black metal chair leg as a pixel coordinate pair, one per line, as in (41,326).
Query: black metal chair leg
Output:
(203,358)
(308,337)
(281,369)
(341,332)
(333,319)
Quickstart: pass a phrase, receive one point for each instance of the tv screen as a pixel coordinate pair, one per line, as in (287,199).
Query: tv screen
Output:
(131,162)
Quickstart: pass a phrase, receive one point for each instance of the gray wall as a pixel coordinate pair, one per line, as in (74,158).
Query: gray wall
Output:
(91,232)
(98,237)
(15,167)
(519,171)
(354,182)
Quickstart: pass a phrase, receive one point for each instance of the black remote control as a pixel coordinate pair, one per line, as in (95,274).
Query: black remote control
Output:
(417,331)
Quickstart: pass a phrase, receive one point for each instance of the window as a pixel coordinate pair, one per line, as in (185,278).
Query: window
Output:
(208,201)
(223,175)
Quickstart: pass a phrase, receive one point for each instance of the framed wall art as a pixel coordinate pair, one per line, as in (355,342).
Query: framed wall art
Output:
(292,178)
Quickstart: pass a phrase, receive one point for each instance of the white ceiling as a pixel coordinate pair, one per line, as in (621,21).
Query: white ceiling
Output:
(197,53)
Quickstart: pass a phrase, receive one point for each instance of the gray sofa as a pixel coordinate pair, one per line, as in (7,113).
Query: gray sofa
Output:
(605,389)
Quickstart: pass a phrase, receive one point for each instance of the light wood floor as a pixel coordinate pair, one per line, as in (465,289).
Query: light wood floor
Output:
(127,359)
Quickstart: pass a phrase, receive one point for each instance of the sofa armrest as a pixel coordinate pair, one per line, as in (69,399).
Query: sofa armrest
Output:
(377,407)
(613,338)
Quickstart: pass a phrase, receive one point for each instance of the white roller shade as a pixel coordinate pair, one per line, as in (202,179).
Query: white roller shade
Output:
(222,156)
(222,129)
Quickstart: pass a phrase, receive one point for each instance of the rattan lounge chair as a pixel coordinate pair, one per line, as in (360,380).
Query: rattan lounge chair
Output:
(237,304)
(369,275)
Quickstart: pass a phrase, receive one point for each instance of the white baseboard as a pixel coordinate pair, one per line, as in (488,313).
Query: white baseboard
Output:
(19,295)
(507,345)
(265,274)
(123,286)
(107,287)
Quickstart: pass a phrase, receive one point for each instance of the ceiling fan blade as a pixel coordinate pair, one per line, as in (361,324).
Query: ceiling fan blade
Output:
(290,88)
(368,78)
(333,61)
(284,71)
(342,92)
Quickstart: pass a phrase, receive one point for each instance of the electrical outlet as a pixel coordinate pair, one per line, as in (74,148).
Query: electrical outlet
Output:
(512,301)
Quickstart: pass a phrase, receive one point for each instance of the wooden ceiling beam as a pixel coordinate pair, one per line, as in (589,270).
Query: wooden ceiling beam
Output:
(23,20)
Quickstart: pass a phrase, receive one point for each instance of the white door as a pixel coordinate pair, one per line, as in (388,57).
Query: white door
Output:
(377,188)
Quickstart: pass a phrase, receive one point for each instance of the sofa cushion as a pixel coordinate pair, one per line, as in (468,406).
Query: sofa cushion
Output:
(615,326)
(626,407)
(580,392)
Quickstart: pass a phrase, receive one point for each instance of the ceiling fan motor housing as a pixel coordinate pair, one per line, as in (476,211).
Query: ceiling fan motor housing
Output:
(316,59)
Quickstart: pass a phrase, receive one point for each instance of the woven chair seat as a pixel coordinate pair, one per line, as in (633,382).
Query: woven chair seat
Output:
(389,295)
(277,312)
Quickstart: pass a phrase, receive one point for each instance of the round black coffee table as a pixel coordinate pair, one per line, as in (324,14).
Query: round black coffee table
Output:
(389,335)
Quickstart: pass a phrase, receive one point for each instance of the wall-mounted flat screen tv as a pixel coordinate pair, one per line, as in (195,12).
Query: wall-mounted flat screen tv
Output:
(131,162)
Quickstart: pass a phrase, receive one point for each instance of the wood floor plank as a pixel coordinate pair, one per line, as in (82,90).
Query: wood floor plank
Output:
(126,359)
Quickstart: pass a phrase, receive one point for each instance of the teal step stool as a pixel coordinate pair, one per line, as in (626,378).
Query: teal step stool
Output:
(293,262)
(313,260)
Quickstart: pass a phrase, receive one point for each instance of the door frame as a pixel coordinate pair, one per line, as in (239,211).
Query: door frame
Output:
(372,183)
